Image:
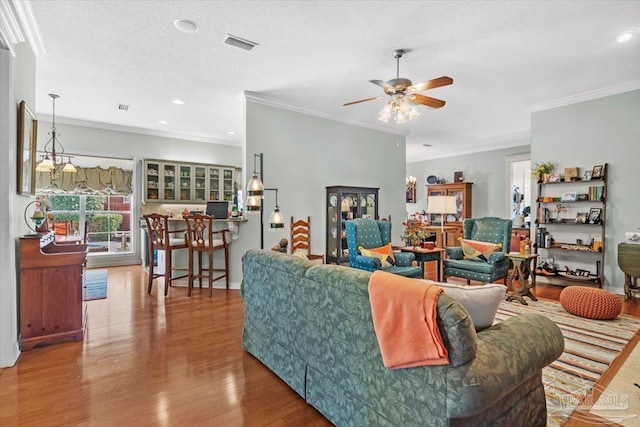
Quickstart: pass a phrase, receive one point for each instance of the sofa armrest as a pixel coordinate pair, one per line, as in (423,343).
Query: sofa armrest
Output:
(508,353)
(455,252)
(404,259)
(496,257)
(369,263)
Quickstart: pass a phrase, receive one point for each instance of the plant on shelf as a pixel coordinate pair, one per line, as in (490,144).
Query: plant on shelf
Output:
(415,232)
(543,170)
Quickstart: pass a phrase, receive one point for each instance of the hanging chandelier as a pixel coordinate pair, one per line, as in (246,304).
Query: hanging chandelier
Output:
(52,157)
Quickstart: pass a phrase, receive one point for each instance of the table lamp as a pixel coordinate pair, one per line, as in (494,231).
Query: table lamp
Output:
(441,205)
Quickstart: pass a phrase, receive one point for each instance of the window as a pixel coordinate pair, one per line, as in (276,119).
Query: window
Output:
(106,220)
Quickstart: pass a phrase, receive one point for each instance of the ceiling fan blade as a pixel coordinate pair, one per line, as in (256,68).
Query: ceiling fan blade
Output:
(431,84)
(383,85)
(426,100)
(363,100)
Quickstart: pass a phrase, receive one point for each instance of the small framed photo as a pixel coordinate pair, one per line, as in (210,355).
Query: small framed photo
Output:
(569,196)
(587,176)
(596,173)
(555,178)
(581,218)
(595,216)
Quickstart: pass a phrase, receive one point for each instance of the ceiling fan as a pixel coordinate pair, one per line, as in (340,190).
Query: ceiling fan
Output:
(403,93)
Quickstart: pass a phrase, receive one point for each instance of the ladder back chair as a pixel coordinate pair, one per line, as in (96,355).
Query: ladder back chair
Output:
(301,238)
(203,237)
(161,238)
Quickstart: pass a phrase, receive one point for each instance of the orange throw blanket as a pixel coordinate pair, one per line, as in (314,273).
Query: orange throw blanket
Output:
(404,318)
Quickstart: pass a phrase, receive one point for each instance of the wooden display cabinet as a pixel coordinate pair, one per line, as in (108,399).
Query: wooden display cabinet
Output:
(462,192)
(51,281)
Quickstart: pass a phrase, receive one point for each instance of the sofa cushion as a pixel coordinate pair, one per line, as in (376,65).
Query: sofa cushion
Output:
(477,250)
(383,253)
(480,301)
(470,264)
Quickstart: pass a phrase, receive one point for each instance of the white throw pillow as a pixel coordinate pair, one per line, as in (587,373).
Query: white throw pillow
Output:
(480,301)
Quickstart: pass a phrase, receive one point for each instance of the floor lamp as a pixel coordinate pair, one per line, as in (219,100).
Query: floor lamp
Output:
(255,194)
(443,206)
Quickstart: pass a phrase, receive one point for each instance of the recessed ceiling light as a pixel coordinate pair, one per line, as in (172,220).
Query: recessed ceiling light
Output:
(231,133)
(177,101)
(162,122)
(625,37)
(186,25)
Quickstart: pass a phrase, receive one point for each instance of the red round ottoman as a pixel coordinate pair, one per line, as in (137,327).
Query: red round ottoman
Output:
(591,303)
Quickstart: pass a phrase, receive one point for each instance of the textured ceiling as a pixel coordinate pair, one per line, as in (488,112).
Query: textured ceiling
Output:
(504,57)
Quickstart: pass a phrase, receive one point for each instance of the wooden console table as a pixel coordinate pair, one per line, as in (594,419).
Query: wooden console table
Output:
(51,279)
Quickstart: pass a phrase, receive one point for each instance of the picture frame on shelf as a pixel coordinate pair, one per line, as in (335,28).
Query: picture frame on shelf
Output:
(569,196)
(595,215)
(581,218)
(26,153)
(596,172)
(587,175)
(555,178)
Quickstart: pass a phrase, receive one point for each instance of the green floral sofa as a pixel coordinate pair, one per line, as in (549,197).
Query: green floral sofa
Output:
(311,325)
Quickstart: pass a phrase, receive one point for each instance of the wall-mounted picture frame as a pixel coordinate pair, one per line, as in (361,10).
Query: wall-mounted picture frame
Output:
(26,153)
(596,173)
(595,215)
(581,218)
(411,194)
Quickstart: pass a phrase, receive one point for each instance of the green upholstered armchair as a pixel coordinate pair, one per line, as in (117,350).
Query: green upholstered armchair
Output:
(496,267)
(370,234)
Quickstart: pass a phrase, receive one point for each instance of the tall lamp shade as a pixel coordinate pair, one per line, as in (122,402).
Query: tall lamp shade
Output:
(441,205)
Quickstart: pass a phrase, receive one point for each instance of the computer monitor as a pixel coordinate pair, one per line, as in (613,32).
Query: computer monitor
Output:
(218,208)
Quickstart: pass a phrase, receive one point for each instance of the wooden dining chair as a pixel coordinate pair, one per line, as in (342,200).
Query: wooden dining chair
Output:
(162,238)
(202,237)
(301,238)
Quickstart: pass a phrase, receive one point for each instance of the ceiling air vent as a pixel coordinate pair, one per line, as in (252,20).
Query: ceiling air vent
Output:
(240,43)
(123,107)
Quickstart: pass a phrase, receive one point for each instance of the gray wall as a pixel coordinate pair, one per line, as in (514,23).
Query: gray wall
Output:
(304,154)
(605,130)
(487,170)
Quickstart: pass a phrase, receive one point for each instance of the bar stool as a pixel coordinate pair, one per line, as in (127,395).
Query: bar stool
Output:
(159,238)
(202,237)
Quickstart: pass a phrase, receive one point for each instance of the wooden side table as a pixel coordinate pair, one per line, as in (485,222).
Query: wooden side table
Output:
(425,255)
(518,282)
(629,263)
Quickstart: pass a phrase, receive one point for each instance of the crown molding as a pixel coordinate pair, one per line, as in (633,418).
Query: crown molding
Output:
(18,24)
(136,130)
(273,102)
(587,96)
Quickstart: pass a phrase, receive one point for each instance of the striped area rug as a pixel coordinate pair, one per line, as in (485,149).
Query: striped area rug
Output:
(591,346)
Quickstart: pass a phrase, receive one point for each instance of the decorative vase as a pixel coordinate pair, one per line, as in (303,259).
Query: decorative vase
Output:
(545,177)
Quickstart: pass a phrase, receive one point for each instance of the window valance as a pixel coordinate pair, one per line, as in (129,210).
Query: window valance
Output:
(96,180)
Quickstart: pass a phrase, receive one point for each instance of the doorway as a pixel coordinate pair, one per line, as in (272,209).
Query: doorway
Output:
(519,196)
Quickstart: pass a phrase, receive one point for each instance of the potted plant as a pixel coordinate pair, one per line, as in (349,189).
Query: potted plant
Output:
(543,170)
(414,233)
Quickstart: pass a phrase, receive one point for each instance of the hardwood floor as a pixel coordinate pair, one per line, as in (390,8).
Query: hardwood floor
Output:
(156,361)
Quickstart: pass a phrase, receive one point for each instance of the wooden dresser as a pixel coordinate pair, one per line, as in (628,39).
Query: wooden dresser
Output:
(51,280)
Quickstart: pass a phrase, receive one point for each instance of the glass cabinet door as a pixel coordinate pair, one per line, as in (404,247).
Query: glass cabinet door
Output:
(169,182)
(459,215)
(227,175)
(368,205)
(332,230)
(214,184)
(200,178)
(152,173)
(185,183)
